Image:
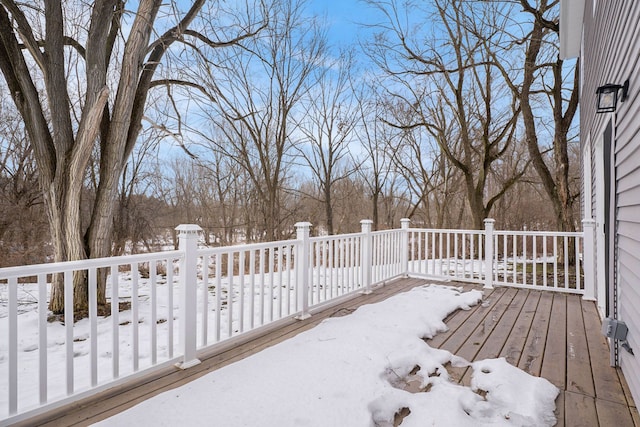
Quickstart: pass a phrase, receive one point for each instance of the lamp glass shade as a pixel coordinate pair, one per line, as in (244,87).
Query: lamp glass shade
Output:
(607,101)
(607,98)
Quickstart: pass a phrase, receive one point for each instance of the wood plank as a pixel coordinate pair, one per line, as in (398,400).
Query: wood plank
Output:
(555,352)
(635,415)
(613,414)
(496,339)
(466,286)
(605,378)
(579,375)
(484,327)
(460,317)
(455,338)
(533,351)
(560,418)
(579,410)
(471,346)
(516,342)
(629,398)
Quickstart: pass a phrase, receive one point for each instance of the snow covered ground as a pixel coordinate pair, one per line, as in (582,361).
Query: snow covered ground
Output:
(152,336)
(347,372)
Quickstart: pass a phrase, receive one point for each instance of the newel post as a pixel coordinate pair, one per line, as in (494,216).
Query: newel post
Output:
(302,268)
(488,253)
(588,259)
(404,245)
(365,255)
(188,235)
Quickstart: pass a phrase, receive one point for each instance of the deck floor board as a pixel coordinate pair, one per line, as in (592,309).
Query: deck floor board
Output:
(496,341)
(554,361)
(534,347)
(555,336)
(579,375)
(515,345)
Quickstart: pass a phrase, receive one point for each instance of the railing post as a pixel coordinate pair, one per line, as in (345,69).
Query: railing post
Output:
(488,253)
(365,255)
(302,268)
(588,259)
(404,245)
(188,234)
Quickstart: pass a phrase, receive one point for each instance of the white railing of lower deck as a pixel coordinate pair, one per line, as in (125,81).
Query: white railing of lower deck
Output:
(544,260)
(386,255)
(551,261)
(454,254)
(171,305)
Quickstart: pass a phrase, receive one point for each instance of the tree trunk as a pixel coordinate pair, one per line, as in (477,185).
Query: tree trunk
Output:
(328,210)
(556,185)
(476,202)
(374,200)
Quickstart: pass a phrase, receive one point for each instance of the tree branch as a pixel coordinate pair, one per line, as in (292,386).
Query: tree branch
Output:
(26,32)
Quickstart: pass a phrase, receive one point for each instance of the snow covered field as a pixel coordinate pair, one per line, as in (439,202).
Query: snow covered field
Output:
(347,372)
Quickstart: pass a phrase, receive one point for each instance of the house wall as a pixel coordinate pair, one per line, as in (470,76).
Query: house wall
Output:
(611,54)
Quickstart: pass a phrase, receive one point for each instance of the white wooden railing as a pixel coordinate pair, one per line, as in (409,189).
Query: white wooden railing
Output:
(527,259)
(168,307)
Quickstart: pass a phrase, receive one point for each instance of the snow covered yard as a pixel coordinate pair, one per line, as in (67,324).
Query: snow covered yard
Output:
(349,371)
(163,298)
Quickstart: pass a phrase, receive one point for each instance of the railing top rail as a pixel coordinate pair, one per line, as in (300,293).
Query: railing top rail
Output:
(392,231)
(499,232)
(246,247)
(334,237)
(446,230)
(539,233)
(60,267)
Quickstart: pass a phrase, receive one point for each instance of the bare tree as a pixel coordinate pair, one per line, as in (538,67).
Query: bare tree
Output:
(328,121)
(451,89)
(80,75)
(374,164)
(546,94)
(433,182)
(222,195)
(136,210)
(256,89)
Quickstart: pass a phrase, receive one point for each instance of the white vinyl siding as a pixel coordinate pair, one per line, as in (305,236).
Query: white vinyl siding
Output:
(611,55)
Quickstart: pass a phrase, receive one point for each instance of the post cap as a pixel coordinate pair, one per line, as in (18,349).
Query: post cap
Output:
(303,224)
(366,221)
(489,220)
(188,229)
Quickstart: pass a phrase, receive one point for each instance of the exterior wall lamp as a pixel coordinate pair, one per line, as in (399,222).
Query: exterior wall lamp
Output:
(608,96)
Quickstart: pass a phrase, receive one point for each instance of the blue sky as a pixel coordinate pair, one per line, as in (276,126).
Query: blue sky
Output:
(343,18)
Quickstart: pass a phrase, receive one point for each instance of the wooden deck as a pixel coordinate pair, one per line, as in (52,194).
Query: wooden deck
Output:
(556,336)
(553,335)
